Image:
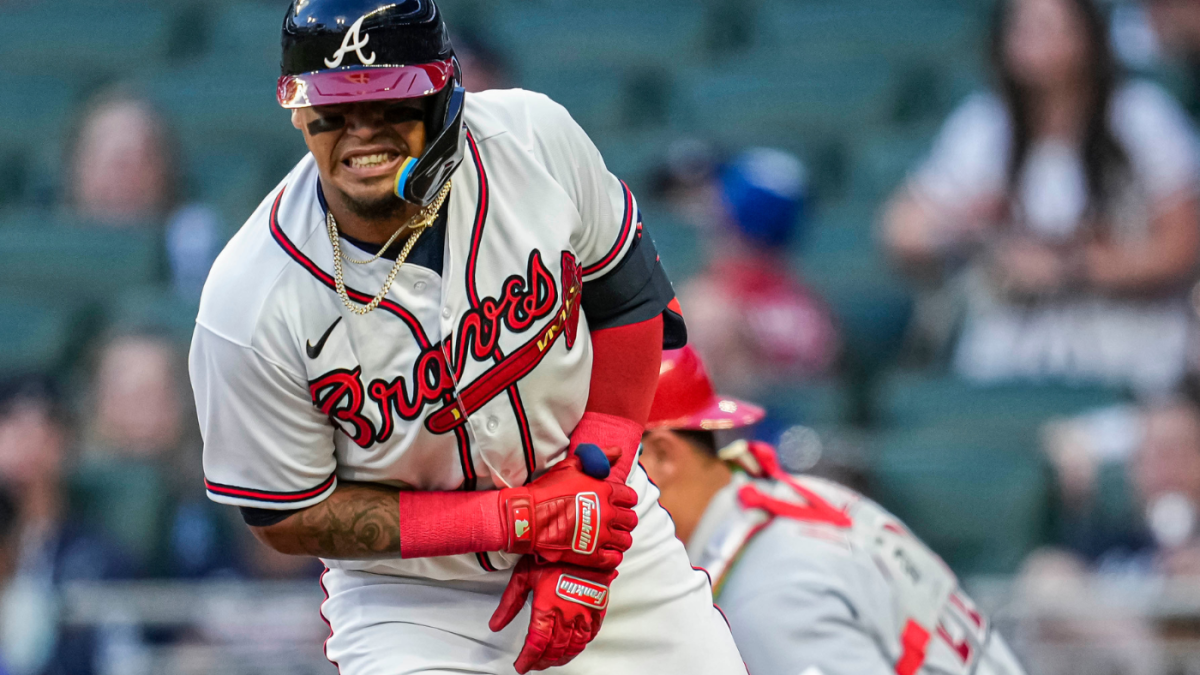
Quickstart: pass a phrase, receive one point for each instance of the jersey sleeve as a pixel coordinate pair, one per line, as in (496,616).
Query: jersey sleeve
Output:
(607,209)
(265,445)
(624,281)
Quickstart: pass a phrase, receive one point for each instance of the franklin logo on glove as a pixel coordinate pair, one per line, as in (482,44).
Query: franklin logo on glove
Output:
(587,513)
(582,591)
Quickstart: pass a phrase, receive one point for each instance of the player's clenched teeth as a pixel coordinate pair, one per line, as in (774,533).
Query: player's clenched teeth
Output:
(371,161)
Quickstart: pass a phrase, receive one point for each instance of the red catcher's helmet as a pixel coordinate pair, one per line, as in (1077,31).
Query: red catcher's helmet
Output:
(685,398)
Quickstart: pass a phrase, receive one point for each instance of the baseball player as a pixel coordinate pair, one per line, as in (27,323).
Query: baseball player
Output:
(813,577)
(427,358)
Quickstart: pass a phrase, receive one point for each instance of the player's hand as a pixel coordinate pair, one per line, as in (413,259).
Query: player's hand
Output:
(568,607)
(569,516)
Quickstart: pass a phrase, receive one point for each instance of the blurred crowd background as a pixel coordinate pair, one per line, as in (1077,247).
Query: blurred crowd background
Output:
(951,245)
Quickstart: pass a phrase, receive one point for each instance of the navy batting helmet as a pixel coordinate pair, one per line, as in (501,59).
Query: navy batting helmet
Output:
(344,51)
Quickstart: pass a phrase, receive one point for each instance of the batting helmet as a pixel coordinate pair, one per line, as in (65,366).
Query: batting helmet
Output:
(344,51)
(685,399)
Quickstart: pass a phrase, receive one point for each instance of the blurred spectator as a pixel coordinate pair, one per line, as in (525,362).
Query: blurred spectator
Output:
(138,475)
(1166,478)
(1173,28)
(1159,445)
(121,170)
(1073,196)
(10,542)
(53,549)
(124,170)
(748,306)
(483,66)
(687,182)
(1177,25)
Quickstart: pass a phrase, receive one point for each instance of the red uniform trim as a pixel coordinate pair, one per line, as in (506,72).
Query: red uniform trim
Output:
(267,495)
(913,642)
(321,611)
(620,243)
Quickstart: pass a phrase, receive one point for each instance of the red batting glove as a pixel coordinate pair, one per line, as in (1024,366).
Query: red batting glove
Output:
(617,436)
(568,607)
(567,516)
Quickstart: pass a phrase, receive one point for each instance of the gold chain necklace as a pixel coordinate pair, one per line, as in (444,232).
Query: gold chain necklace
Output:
(418,224)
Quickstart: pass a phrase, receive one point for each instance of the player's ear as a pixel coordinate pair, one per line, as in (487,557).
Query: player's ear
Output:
(662,456)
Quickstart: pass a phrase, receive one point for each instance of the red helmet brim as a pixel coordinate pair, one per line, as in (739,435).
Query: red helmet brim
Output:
(719,413)
(363,83)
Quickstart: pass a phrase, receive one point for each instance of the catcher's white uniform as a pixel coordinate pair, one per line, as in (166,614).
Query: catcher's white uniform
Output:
(468,376)
(863,597)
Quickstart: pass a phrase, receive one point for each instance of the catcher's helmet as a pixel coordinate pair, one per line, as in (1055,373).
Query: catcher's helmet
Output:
(684,398)
(343,51)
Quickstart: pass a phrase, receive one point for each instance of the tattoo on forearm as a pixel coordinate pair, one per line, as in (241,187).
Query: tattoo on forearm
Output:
(357,522)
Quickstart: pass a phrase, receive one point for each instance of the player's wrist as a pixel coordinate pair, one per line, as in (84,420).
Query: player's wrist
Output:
(436,524)
(608,432)
(517,512)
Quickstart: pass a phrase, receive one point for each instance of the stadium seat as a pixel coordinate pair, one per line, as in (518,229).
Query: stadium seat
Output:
(871,306)
(33,334)
(594,97)
(250,34)
(126,500)
(760,98)
(882,162)
(232,181)
(980,500)
(821,405)
(632,155)
(84,40)
(917,399)
(838,231)
(71,262)
(678,243)
(155,309)
(555,37)
(33,108)
(818,33)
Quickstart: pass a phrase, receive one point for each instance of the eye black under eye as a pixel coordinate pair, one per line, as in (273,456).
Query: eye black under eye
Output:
(398,114)
(326,123)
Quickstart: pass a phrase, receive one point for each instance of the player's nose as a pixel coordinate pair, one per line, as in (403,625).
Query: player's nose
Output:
(364,119)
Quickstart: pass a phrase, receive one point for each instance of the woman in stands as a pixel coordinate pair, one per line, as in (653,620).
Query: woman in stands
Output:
(1072,196)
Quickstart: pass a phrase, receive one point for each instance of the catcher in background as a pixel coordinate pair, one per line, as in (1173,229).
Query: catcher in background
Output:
(813,577)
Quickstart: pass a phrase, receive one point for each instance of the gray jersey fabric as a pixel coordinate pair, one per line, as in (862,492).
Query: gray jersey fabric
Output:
(807,597)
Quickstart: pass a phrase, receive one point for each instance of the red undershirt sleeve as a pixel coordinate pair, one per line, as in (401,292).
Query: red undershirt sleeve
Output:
(625,368)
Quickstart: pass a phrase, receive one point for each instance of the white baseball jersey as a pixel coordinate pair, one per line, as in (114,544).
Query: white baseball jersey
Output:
(471,378)
(863,598)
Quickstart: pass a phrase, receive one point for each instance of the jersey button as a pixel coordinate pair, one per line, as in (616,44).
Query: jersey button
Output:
(492,423)
(419,286)
(445,312)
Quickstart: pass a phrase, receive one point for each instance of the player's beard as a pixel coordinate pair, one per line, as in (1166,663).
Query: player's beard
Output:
(382,208)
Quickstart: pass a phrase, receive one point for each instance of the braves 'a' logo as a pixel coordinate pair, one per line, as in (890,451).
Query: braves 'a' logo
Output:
(341,395)
(359,41)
